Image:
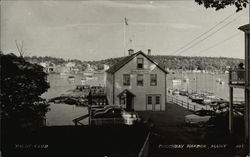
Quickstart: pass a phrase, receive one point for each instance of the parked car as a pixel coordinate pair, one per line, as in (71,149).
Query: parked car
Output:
(105,108)
(114,114)
(130,118)
(109,113)
(236,113)
(200,117)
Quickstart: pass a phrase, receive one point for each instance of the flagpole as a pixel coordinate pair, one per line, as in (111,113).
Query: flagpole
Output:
(124,36)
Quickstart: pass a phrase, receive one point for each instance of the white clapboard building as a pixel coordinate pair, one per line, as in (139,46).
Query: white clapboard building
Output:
(137,83)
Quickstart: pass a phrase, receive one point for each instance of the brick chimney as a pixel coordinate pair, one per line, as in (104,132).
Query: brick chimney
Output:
(130,52)
(149,52)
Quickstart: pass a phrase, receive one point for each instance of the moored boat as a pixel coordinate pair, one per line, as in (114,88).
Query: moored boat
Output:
(83,81)
(71,78)
(213,101)
(91,78)
(64,73)
(198,98)
(183,92)
(88,73)
(176,92)
(186,79)
(222,82)
(176,81)
(218,79)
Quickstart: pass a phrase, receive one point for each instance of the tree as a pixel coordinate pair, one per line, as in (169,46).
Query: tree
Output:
(22,84)
(20,48)
(221,4)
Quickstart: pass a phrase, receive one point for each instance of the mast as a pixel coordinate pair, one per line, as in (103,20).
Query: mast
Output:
(196,82)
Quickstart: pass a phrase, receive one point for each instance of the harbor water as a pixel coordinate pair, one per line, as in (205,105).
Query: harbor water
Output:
(63,114)
(204,82)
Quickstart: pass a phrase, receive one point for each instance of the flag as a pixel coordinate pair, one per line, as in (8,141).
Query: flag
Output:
(126,21)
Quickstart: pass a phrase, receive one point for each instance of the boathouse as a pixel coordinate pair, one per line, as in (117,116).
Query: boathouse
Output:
(137,83)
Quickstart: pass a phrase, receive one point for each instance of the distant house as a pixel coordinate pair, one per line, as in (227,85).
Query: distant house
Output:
(43,64)
(137,83)
(48,67)
(90,68)
(70,64)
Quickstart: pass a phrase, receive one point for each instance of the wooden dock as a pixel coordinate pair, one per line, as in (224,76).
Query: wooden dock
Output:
(186,103)
(192,106)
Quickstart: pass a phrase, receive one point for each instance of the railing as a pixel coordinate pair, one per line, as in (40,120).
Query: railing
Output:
(237,77)
(77,120)
(144,150)
(185,104)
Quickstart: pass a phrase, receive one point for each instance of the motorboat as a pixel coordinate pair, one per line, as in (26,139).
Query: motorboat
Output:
(88,74)
(222,82)
(183,92)
(71,78)
(91,77)
(176,92)
(213,101)
(198,98)
(64,73)
(218,79)
(176,81)
(83,81)
(186,79)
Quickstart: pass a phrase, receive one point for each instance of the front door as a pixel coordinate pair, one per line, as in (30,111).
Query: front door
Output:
(129,103)
(153,102)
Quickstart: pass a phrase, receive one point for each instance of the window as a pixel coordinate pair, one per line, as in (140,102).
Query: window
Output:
(140,80)
(139,63)
(126,79)
(157,100)
(153,79)
(149,100)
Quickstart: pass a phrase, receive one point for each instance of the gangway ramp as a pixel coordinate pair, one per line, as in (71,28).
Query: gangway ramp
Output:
(77,120)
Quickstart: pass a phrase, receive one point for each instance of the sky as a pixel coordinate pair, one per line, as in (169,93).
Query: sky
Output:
(95,30)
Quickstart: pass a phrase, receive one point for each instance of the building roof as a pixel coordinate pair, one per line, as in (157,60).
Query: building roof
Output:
(127,92)
(245,27)
(127,59)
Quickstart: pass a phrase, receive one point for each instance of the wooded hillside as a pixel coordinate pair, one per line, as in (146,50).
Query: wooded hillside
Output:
(170,62)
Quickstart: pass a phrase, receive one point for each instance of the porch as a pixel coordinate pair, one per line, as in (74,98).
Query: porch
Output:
(237,78)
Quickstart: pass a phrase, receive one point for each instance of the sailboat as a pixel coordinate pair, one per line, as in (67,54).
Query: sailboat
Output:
(222,82)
